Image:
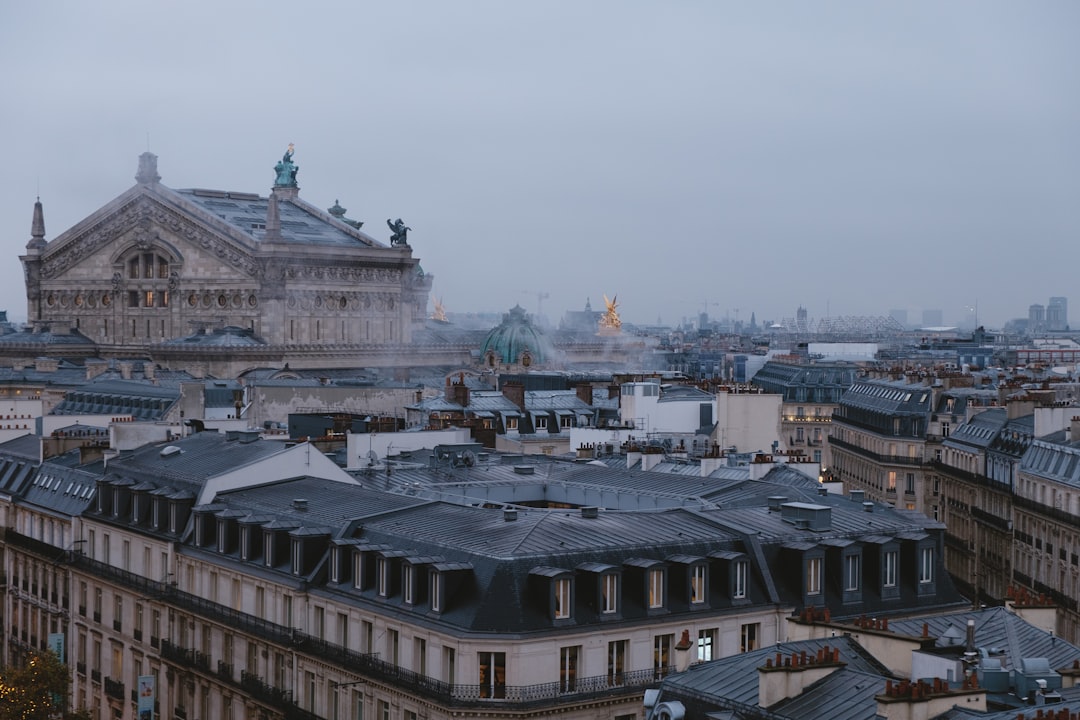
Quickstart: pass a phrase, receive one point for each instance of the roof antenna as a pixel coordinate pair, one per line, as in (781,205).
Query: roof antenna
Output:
(147,141)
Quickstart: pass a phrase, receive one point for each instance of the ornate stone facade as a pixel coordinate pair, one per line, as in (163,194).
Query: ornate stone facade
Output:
(156,264)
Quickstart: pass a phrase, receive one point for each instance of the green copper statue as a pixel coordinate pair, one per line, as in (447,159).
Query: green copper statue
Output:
(286,170)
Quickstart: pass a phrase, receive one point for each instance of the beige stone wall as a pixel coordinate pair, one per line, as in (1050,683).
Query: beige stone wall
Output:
(214,275)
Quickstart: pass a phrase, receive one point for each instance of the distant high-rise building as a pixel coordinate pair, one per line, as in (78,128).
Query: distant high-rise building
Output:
(899,315)
(1057,314)
(1036,317)
(932,318)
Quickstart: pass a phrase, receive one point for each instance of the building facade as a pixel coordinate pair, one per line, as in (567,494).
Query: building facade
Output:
(252,580)
(157,265)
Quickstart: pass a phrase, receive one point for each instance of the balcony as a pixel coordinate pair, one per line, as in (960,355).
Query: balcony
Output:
(877,457)
(185,656)
(114,688)
(95,675)
(225,671)
(264,692)
(369,665)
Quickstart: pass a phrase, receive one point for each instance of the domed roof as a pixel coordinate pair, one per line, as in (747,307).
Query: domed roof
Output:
(515,335)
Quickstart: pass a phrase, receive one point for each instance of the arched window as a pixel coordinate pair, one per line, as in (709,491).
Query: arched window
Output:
(150,272)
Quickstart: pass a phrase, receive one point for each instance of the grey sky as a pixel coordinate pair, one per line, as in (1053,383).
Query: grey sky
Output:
(851,157)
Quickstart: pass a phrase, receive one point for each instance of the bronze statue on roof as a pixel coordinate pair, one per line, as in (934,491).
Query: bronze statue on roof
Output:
(286,170)
(400,232)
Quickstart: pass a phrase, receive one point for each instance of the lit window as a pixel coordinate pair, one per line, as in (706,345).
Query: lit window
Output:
(562,598)
(697,584)
(609,590)
(656,588)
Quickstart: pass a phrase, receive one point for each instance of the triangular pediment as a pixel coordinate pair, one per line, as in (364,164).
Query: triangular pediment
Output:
(146,217)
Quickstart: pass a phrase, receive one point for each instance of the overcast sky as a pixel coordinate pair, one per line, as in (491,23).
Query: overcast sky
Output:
(849,157)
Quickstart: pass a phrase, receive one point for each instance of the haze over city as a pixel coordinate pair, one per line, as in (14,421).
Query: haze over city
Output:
(685,157)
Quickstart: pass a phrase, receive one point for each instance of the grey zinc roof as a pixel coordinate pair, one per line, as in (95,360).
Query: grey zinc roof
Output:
(1054,459)
(736,677)
(300,222)
(893,398)
(542,532)
(843,695)
(202,455)
(328,503)
(995,627)
(978,432)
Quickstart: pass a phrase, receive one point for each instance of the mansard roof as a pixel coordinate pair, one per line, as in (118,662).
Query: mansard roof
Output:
(979,432)
(889,397)
(1054,458)
(142,399)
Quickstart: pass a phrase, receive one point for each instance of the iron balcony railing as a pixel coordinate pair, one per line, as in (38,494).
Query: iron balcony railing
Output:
(887,459)
(368,665)
(114,688)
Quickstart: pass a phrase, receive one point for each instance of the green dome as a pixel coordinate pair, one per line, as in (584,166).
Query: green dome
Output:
(516,335)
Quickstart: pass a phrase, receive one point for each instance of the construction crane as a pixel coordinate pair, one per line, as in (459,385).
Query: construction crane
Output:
(540,298)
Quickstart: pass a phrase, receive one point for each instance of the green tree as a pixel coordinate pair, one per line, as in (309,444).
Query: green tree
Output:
(36,689)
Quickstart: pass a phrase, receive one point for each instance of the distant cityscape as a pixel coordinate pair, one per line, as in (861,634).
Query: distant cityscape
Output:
(251,468)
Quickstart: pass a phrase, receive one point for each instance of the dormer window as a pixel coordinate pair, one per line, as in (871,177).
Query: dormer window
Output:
(740,569)
(437,581)
(697,584)
(557,586)
(382,573)
(889,562)
(926,565)
(813,576)
(358,570)
(852,573)
(268,548)
(656,588)
(335,564)
(609,593)
(408,583)
(245,543)
(297,556)
(562,598)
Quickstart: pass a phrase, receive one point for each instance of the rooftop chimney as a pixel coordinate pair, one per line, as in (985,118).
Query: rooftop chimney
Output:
(788,675)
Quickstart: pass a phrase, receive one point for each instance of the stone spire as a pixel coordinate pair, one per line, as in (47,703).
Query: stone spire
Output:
(37,228)
(147,174)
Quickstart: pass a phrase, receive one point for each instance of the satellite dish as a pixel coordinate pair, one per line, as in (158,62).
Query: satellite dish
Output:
(468,458)
(373,457)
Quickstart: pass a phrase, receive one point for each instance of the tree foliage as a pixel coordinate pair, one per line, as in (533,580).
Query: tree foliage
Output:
(36,689)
